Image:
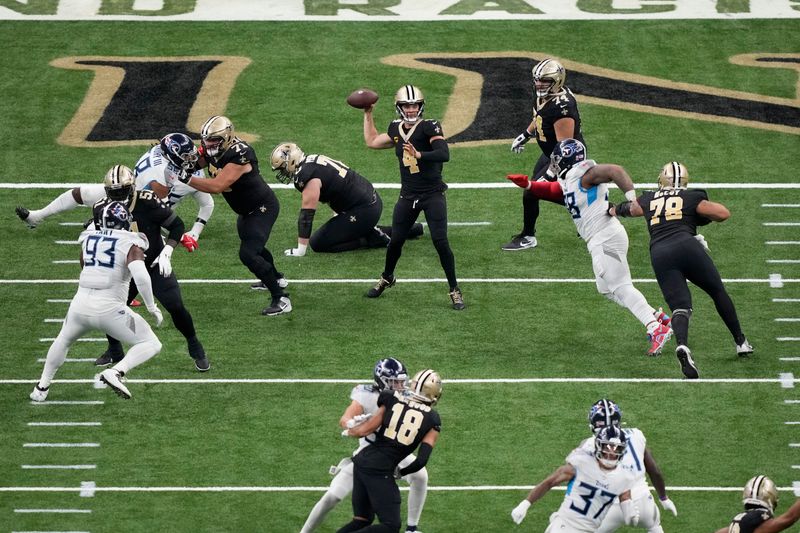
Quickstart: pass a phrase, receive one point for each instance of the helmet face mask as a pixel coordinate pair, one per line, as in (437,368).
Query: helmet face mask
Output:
(610,445)
(566,155)
(112,215)
(286,160)
(760,491)
(548,78)
(119,183)
(673,175)
(426,386)
(404,99)
(217,135)
(390,374)
(179,150)
(604,413)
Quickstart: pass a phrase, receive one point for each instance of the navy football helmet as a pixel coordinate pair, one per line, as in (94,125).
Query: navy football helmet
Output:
(610,445)
(390,374)
(179,150)
(566,155)
(604,413)
(111,215)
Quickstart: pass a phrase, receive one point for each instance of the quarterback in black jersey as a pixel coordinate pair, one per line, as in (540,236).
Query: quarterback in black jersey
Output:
(555,118)
(404,421)
(678,254)
(355,202)
(233,167)
(421,151)
(760,499)
(150,214)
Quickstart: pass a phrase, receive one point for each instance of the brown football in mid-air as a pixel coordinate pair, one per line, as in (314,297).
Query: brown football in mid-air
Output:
(362,98)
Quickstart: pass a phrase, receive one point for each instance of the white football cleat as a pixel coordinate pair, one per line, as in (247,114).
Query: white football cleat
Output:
(744,349)
(38,394)
(111,377)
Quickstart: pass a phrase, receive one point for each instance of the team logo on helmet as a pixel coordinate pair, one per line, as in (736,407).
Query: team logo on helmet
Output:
(610,445)
(566,155)
(111,215)
(604,413)
(390,374)
(286,160)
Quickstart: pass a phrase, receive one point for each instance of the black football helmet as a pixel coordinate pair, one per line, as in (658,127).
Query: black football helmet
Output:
(390,374)
(179,150)
(610,445)
(566,155)
(604,413)
(111,215)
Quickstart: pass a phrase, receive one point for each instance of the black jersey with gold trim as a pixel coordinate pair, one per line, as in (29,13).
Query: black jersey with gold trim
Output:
(748,521)
(342,187)
(250,191)
(547,111)
(417,176)
(672,212)
(405,424)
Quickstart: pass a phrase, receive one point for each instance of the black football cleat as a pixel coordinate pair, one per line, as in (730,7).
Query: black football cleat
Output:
(381,286)
(688,367)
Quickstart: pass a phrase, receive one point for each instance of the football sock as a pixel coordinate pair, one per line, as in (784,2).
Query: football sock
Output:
(447,260)
(530,213)
(727,312)
(417,492)
(63,202)
(138,354)
(55,358)
(680,325)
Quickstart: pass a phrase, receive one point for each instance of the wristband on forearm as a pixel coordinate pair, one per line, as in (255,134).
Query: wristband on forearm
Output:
(624,209)
(305,222)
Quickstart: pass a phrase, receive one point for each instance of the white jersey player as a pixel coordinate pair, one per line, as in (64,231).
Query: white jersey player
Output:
(595,481)
(110,256)
(637,460)
(158,169)
(585,187)
(389,374)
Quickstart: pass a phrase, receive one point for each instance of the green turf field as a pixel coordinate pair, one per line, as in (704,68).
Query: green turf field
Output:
(190,456)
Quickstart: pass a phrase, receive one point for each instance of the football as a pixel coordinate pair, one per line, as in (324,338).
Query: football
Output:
(362,98)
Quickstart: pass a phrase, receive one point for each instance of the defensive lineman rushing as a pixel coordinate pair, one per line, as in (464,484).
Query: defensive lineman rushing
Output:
(595,479)
(638,460)
(110,255)
(390,375)
(158,169)
(584,185)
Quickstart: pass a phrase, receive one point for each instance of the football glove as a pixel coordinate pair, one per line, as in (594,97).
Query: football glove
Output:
(519,143)
(667,504)
(164,261)
(702,240)
(300,251)
(397,474)
(520,180)
(156,312)
(189,241)
(185,176)
(358,420)
(519,512)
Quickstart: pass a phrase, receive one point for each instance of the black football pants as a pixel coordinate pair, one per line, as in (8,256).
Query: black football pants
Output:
(254,230)
(374,494)
(350,230)
(530,202)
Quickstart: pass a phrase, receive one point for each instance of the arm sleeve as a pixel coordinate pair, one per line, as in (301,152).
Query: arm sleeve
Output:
(424,454)
(205,203)
(142,280)
(175,226)
(440,152)
(305,221)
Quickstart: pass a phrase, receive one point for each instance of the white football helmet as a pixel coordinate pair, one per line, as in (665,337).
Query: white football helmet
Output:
(286,159)
(761,492)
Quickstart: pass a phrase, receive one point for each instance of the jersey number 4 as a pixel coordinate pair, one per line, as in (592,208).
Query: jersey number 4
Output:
(404,431)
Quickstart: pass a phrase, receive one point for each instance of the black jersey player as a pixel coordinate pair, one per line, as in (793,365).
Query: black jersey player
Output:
(555,118)
(150,214)
(421,151)
(233,169)
(404,421)
(356,204)
(760,499)
(678,254)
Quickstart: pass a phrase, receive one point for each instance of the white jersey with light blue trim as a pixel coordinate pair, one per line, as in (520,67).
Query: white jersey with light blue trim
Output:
(588,207)
(153,166)
(633,460)
(105,277)
(367,396)
(591,491)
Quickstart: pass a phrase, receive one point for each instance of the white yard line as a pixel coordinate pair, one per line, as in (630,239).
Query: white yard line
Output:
(467,381)
(70,402)
(783,261)
(59,467)
(61,445)
(65,424)
(62,511)
(69,360)
(781,224)
(780,205)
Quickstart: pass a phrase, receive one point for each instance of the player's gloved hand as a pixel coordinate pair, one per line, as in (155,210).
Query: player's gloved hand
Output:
(345,432)
(164,261)
(397,474)
(300,251)
(519,512)
(519,143)
(611,209)
(702,240)
(667,504)
(520,180)
(189,241)
(156,312)
(185,175)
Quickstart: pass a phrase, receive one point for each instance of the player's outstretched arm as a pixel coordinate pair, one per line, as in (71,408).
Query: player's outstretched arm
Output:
(713,211)
(782,522)
(560,475)
(372,138)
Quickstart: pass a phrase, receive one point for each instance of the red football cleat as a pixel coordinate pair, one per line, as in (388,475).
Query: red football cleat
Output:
(135,303)
(658,338)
